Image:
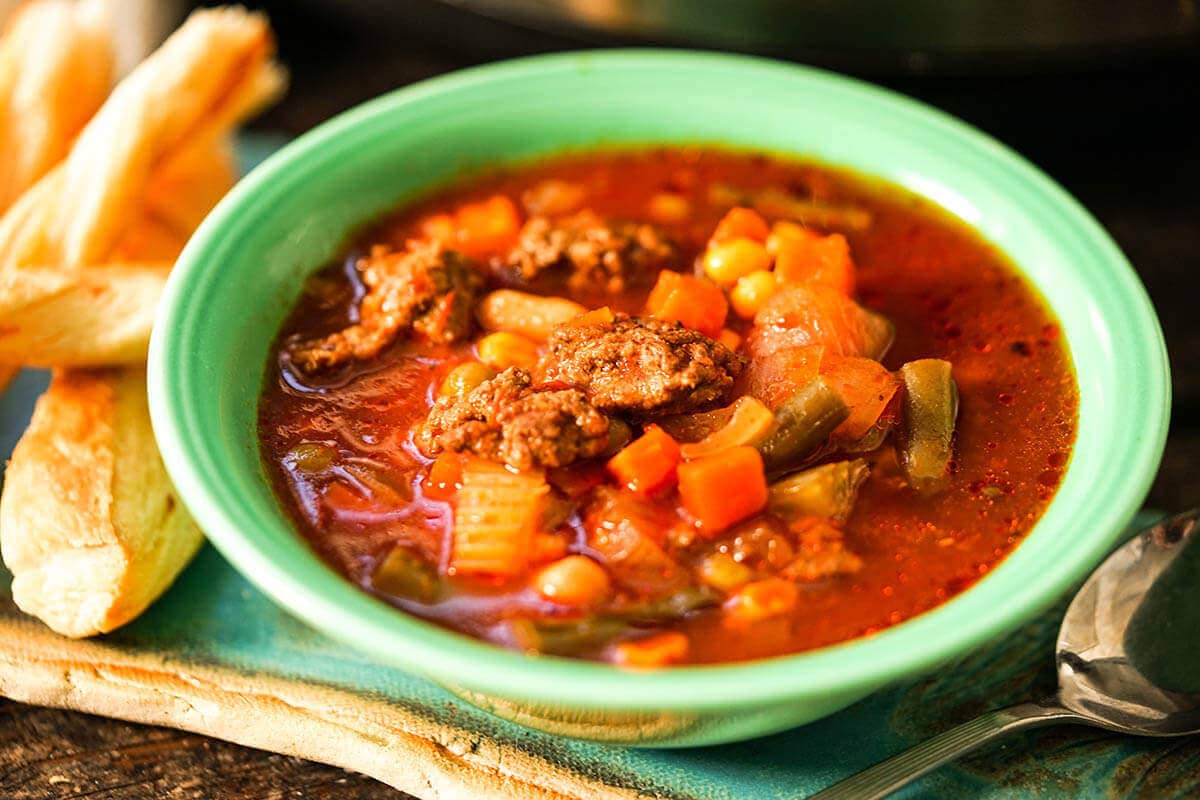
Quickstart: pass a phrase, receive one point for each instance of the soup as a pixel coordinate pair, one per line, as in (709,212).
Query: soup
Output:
(665,406)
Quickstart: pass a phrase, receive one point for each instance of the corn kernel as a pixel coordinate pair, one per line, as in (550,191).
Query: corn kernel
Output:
(505,349)
(751,292)
(725,262)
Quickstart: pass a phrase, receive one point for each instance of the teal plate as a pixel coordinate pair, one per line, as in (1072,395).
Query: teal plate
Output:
(213,618)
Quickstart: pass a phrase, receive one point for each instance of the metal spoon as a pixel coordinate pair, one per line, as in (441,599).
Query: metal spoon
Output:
(1128,660)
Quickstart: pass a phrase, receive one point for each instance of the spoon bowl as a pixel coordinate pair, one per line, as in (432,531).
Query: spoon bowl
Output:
(1126,657)
(1129,644)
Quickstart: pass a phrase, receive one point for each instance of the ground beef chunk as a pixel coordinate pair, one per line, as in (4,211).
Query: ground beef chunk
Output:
(596,255)
(508,419)
(424,288)
(641,365)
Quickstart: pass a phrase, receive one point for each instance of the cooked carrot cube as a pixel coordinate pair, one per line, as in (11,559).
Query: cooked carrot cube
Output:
(647,464)
(657,650)
(741,222)
(490,226)
(722,489)
(439,228)
(445,476)
(597,316)
(696,303)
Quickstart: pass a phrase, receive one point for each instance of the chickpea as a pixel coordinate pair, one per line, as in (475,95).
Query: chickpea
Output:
(464,378)
(751,292)
(573,580)
(725,262)
(505,349)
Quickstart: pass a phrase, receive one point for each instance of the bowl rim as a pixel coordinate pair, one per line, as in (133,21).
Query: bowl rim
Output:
(857,665)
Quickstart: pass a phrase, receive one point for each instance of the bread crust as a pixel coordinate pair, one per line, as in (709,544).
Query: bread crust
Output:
(90,526)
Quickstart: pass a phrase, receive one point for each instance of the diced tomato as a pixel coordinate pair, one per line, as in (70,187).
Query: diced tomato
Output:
(815,314)
(696,303)
(804,256)
(866,386)
(777,369)
(740,222)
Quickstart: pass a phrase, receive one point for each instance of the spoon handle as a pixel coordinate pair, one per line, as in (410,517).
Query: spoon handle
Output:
(901,769)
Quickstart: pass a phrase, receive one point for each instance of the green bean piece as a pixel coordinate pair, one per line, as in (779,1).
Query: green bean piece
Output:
(802,424)
(880,334)
(670,607)
(405,574)
(566,638)
(827,491)
(927,432)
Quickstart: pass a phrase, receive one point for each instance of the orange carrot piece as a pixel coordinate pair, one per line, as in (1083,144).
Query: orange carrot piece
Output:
(803,256)
(439,228)
(750,422)
(597,316)
(759,600)
(647,464)
(444,478)
(740,222)
(722,489)
(490,226)
(866,386)
(696,303)
(656,650)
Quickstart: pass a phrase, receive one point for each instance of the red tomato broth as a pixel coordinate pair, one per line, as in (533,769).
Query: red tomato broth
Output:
(949,294)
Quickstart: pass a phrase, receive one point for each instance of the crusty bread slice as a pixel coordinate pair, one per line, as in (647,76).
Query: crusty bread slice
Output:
(56,67)
(84,316)
(90,526)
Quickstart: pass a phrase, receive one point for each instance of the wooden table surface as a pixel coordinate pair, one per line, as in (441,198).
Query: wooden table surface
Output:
(1115,138)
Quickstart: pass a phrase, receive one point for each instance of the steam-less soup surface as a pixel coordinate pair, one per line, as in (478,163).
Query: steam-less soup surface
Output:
(667,406)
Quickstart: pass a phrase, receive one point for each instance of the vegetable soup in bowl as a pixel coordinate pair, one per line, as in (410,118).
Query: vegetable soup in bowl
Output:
(659,398)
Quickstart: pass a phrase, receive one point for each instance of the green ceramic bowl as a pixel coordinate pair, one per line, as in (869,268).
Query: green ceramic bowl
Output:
(244,268)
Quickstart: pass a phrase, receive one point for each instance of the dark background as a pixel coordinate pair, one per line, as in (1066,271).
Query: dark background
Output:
(1112,124)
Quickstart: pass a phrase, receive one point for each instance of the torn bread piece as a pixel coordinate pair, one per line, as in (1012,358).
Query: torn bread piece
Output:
(90,526)
(144,172)
(46,310)
(209,75)
(56,68)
